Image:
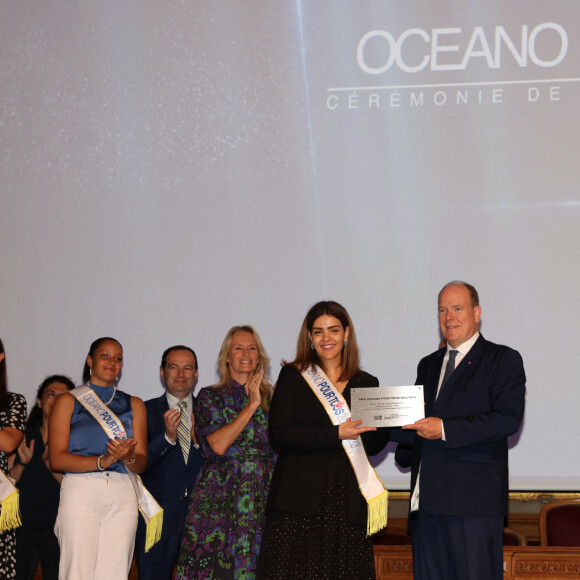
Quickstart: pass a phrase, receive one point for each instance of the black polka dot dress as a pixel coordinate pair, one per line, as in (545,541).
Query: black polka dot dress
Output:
(14,416)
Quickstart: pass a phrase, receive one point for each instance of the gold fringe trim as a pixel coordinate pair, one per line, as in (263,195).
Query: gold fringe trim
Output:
(378,509)
(153,530)
(10,513)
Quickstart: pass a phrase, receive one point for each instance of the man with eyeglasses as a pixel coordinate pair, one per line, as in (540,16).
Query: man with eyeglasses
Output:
(174,459)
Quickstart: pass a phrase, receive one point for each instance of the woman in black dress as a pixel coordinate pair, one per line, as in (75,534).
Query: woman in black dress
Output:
(316,518)
(39,487)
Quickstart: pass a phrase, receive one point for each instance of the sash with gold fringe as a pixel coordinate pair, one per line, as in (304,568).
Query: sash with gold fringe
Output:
(9,514)
(369,483)
(151,511)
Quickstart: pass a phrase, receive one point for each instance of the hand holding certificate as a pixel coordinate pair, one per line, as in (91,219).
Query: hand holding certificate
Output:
(388,406)
(429,428)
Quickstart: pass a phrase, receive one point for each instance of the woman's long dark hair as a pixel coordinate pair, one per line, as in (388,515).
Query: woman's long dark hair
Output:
(4,399)
(35,417)
(94,346)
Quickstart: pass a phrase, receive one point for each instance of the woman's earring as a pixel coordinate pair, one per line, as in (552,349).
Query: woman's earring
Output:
(346,342)
(311,345)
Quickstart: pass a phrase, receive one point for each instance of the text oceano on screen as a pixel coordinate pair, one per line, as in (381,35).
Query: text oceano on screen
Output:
(446,43)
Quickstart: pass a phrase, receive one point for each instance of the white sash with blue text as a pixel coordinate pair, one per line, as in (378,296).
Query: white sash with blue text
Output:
(369,483)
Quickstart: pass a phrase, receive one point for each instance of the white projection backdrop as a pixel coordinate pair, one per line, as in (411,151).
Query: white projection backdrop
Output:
(170,169)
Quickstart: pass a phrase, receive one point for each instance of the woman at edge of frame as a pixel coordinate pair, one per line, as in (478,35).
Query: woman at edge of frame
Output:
(12,426)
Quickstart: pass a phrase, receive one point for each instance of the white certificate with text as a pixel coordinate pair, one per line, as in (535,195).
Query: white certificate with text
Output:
(387,406)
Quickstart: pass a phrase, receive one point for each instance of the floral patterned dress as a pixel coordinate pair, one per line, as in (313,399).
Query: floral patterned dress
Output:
(226,510)
(14,416)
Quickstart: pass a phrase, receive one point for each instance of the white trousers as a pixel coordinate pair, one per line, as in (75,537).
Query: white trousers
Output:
(95,526)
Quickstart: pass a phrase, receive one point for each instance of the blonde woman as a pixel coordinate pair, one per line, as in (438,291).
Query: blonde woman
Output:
(226,511)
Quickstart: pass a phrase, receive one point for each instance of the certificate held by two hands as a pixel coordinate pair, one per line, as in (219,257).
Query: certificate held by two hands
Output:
(387,406)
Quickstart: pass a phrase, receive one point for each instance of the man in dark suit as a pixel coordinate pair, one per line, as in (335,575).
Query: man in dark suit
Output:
(174,459)
(474,399)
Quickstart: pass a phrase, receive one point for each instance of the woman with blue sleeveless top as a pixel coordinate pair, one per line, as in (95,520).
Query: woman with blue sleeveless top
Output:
(97,516)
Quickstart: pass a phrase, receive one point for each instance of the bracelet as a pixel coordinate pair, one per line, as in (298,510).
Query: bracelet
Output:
(132,460)
(99,466)
(23,464)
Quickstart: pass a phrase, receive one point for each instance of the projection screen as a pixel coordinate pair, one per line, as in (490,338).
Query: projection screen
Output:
(170,169)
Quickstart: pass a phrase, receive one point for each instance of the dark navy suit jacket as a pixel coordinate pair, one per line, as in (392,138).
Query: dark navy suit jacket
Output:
(481,404)
(170,481)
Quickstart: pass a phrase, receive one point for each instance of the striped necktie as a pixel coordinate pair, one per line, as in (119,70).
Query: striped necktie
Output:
(184,430)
